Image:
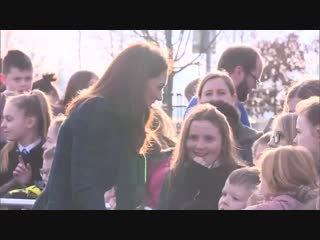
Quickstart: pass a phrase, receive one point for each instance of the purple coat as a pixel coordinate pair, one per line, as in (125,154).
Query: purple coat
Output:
(281,202)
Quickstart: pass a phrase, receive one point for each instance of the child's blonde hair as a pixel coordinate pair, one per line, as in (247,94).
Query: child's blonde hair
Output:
(311,108)
(249,177)
(162,132)
(302,89)
(289,169)
(35,104)
(264,139)
(287,123)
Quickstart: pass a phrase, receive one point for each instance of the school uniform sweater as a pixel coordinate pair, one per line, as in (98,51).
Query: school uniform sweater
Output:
(34,157)
(193,187)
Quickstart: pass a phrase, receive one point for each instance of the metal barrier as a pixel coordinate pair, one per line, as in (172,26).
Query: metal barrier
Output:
(13,202)
(24,203)
(178,110)
(28,203)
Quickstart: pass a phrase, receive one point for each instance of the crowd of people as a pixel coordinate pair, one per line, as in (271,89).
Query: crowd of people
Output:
(104,140)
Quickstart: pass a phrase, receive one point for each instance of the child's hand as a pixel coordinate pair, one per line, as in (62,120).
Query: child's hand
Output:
(22,173)
(113,203)
(110,197)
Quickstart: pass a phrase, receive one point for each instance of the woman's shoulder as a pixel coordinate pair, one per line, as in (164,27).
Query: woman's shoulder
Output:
(93,114)
(281,202)
(287,201)
(93,104)
(93,108)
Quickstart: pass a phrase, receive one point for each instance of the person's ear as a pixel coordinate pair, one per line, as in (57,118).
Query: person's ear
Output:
(237,75)
(31,121)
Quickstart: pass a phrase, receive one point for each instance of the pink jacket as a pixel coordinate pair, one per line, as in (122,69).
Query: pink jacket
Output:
(281,202)
(155,177)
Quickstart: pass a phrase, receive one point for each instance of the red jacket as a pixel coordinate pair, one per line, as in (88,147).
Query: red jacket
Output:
(155,176)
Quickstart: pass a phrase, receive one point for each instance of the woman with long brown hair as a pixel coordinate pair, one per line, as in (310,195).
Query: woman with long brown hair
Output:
(100,143)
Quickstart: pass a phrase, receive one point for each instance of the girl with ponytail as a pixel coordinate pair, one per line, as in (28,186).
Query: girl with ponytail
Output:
(25,123)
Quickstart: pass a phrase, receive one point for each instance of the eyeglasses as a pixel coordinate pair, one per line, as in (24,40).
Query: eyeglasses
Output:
(255,78)
(276,137)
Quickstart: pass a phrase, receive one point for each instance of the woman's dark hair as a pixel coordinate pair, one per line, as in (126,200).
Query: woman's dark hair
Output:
(124,84)
(230,113)
(78,81)
(45,85)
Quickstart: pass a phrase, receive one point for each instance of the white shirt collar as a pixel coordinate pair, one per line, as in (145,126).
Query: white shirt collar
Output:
(8,93)
(30,146)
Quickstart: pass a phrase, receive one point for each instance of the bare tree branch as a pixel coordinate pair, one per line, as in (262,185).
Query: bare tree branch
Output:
(145,34)
(180,41)
(79,48)
(185,48)
(148,37)
(212,41)
(137,33)
(188,64)
(180,38)
(106,48)
(111,44)
(206,49)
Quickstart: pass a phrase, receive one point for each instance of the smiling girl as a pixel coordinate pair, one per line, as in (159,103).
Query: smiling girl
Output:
(202,162)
